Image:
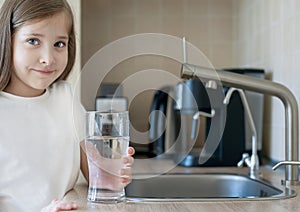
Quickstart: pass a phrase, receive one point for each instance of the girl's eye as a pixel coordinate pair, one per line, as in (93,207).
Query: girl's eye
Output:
(33,41)
(60,44)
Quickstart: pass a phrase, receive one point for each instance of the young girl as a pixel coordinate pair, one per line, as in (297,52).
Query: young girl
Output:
(40,155)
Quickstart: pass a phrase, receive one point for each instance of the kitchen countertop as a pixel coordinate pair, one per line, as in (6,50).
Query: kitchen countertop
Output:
(79,194)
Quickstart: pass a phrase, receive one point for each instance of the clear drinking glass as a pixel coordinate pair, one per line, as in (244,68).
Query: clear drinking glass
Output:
(106,142)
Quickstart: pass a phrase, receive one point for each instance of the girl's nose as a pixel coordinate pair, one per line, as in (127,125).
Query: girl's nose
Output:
(47,57)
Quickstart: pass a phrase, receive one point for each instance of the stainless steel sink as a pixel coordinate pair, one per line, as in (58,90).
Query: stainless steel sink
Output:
(195,187)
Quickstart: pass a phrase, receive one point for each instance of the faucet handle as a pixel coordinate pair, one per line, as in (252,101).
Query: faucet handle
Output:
(245,158)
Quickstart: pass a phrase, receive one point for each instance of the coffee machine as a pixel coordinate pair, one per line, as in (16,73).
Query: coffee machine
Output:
(172,123)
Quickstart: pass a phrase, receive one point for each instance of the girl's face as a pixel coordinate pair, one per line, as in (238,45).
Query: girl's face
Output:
(40,55)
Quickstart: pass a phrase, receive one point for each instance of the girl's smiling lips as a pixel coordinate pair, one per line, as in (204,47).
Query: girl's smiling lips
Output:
(46,72)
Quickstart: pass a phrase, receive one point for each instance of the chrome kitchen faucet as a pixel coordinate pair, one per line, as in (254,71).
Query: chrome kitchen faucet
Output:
(267,87)
(253,161)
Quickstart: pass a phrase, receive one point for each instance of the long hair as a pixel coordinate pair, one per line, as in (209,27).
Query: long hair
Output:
(13,14)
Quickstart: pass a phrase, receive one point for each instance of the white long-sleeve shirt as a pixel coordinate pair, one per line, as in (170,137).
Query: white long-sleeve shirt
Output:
(39,147)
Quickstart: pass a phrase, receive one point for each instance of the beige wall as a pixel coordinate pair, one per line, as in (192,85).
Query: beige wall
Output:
(266,35)
(207,24)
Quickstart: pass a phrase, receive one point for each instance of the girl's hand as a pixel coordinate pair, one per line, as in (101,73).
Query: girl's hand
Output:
(127,171)
(60,205)
(109,173)
(126,177)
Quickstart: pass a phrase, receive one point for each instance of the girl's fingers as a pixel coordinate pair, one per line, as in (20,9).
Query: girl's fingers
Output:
(131,151)
(128,160)
(126,175)
(127,171)
(126,180)
(58,205)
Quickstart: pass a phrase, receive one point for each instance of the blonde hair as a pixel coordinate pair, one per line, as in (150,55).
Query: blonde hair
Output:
(13,14)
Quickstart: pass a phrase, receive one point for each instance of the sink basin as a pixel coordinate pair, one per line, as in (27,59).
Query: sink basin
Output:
(194,187)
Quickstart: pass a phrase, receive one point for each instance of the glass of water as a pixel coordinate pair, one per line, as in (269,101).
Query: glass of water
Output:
(106,143)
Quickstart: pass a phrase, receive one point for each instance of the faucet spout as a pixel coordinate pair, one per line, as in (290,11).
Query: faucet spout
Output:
(266,87)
